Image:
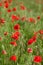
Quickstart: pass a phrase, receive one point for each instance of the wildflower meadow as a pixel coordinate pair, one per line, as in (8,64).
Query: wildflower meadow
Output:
(21,32)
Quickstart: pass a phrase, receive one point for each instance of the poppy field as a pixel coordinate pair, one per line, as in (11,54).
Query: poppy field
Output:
(21,32)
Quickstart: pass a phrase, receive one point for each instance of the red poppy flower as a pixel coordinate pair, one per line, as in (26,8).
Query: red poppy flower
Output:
(4,52)
(29,50)
(5,1)
(9,10)
(6,5)
(41,31)
(17,27)
(0,38)
(13,43)
(22,7)
(35,33)
(10,1)
(14,17)
(2,20)
(23,18)
(13,58)
(32,40)
(31,20)
(5,33)
(15,35)
(14,9)
(18,33)
(0,4)
(37,59)
(38,17)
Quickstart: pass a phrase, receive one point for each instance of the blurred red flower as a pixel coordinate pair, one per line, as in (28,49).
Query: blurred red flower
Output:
(41,31)
(2,20)
(31,20)
(9,10)
(13,58)
(10,1)
(0,38)
(23,18)
(15,35)
(14,17)
(4,52)
(6,4)
(5,33)
(14,9)
(16,27)
(29,50)
(37,59)
(13,43)
(32,40)
(22,7)
(0,4)
(38,17)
